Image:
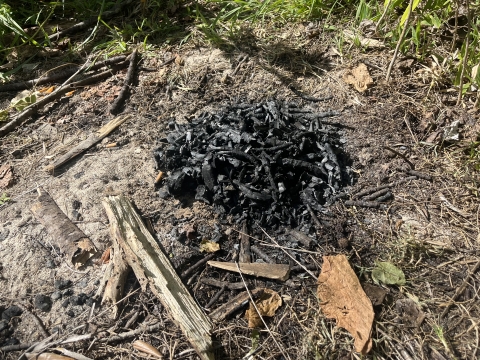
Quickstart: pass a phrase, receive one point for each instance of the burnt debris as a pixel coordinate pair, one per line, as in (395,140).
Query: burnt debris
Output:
(272,162)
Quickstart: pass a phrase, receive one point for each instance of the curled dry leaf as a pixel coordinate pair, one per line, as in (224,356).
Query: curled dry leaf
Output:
(105,259)
(146,348)
(342,298)
(267,305)
(209,246)
(46,356)
(359,77)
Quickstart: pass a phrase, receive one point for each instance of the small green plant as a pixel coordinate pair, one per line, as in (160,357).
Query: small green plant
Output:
(4,198)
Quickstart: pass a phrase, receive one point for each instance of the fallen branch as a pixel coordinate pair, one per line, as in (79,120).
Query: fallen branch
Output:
(220,283)
(366,204)
(195,266)
(461,289)
(88,143)
(67,236)
(66,87)
(126,85)
(153,269)
(132,333)
(60,75)
(235,304)
(308,97)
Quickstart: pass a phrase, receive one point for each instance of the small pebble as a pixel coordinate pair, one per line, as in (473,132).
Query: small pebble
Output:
(76,204)
(82,283)
(50,264)
(68,292)
(78,300)
(11,312)
(163,193)
(61,284)
(43,302)
(71,313)
(65,303)
(56,295)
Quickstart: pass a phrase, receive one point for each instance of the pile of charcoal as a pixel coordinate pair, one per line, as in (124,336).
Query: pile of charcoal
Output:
(272,162)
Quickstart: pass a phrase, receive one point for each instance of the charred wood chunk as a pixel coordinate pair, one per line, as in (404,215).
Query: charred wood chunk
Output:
(254,195)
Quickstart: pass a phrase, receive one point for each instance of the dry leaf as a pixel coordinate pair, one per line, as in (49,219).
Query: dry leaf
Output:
(359,78)
(105,259)
(267,305)
(46,356)
(6,176)
(342,298)
(179,60)
(209,246)
(147,349)
(365,42)
(47,90)
(70,93)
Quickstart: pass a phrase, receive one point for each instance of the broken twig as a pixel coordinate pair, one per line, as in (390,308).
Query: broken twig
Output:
(117,104)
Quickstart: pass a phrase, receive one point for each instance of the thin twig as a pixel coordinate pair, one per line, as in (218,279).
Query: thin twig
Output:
(383,16)
(460,289)
(399,43)
(117,104)
(465,56)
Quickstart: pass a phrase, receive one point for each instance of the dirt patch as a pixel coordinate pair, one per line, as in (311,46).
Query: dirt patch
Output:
(433,243)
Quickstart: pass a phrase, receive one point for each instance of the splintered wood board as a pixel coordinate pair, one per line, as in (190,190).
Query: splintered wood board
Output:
(153,268)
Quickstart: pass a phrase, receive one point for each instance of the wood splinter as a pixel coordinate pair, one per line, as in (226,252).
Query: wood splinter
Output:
(270,271)
(86,144)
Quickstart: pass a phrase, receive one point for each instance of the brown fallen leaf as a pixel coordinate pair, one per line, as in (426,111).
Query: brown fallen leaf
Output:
(209,246)
(146,348)
(267,305)
(342,298)
(105,259)
(359,77)
(70,93)
(47,90)
(6,176)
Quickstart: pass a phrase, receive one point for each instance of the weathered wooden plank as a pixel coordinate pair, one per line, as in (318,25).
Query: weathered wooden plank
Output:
(153,268)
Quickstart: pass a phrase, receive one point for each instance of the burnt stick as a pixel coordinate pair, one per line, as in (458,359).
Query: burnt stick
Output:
(117,104)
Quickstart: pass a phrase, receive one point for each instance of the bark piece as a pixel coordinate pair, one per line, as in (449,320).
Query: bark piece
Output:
(342,298)
(116,282)
(69,238)
(153,268)
(270,271)
(88,143)
(234,304)
(6,176)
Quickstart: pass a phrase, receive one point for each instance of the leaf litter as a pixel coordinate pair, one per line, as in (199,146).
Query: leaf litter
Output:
(267,305)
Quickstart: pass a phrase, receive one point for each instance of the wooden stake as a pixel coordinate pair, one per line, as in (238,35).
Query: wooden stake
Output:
(153,268)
